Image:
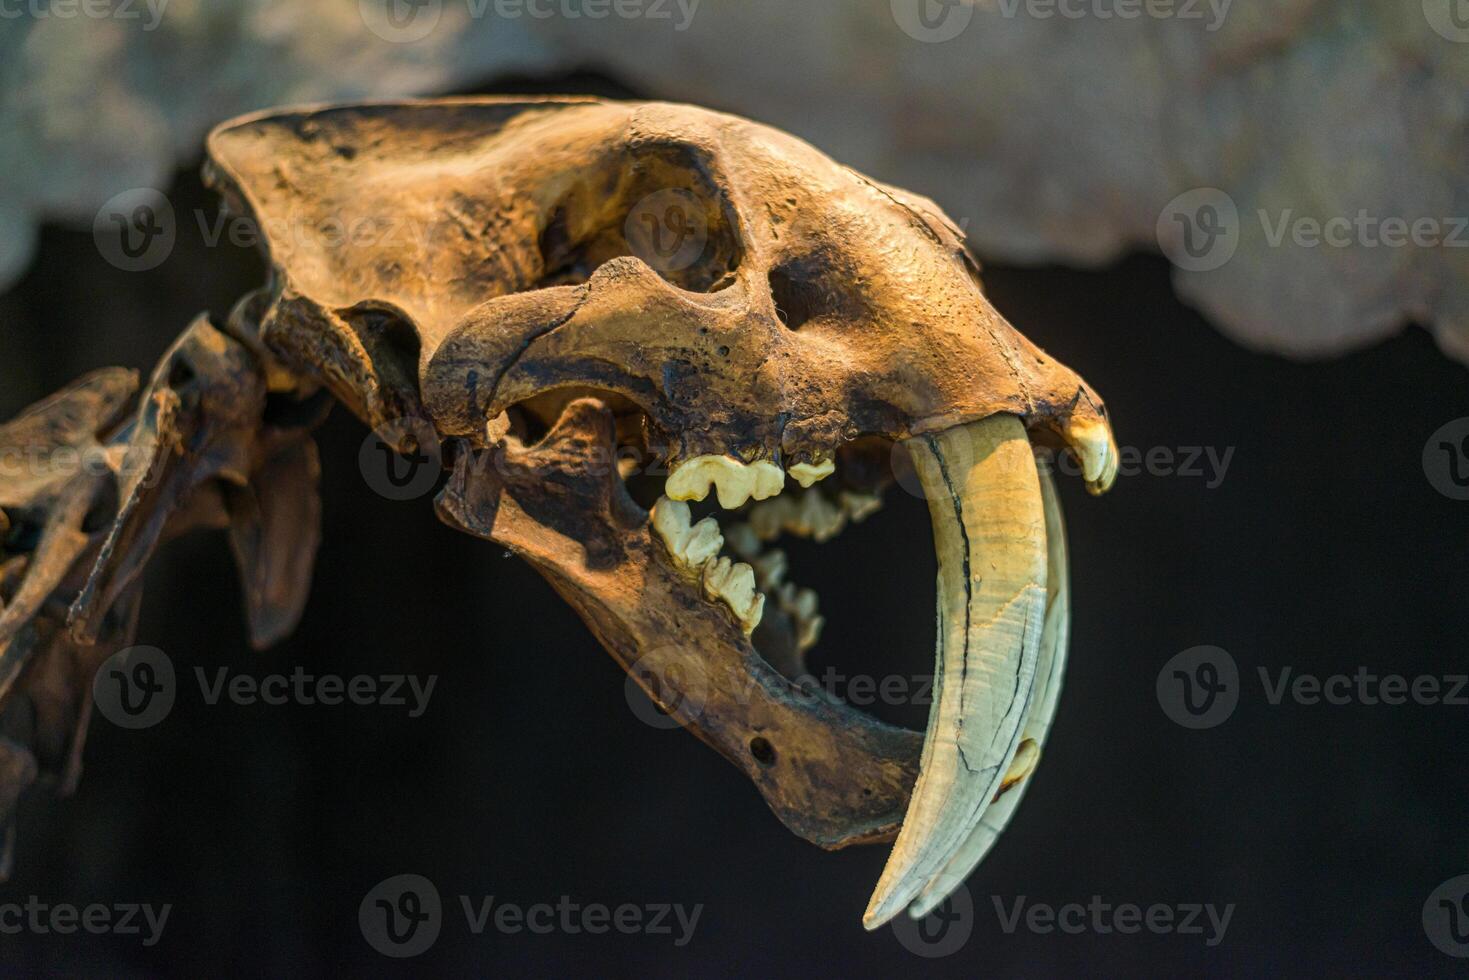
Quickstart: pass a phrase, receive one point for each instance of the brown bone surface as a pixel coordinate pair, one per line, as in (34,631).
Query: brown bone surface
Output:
(535,285)
(456,257)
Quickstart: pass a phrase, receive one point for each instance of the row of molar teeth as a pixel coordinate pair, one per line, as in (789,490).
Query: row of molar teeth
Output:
(770,569)
(735,482)
(810,514)
(696,548)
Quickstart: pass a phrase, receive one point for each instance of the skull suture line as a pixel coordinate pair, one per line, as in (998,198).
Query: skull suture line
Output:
(546,287)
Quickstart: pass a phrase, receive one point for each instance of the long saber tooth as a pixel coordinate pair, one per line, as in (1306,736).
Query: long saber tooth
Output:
(1050,667)
(984,499)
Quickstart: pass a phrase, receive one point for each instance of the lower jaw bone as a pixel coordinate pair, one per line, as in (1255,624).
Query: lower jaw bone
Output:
(989,526)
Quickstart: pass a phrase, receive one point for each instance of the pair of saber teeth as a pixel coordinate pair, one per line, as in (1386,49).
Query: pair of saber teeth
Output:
(1003,623)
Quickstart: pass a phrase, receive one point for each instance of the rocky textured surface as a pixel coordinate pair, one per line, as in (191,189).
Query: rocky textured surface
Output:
(1053,130)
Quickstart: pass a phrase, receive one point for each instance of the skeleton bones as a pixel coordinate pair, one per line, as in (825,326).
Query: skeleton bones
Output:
(542,285)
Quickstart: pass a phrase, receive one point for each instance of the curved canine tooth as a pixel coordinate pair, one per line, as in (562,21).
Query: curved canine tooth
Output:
(1092,441)
(734,482)
(1050,668)
(808,473)
(734,583)
(860,506)
(984,499)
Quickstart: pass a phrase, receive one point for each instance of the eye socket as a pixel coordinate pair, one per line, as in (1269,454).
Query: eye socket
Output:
(659,203)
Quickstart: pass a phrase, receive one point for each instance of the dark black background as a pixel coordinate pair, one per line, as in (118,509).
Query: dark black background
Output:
(529,778)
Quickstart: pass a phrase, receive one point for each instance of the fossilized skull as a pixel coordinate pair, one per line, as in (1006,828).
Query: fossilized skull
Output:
(571,295)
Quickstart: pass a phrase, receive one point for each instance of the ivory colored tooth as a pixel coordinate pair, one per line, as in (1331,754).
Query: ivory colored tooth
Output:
(734,583)
(770,517)
(1050,668)
(734,482)
(703,542)
(671,522)
(770,568)
(1027,755)
(804,604)
(989,528)
(1092,441)
(742,540)
(818,518)
(859,506)
(808,632)
(692,546)
(808,473)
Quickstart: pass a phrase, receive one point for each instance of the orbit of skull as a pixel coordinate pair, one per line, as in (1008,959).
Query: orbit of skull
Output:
(562,296)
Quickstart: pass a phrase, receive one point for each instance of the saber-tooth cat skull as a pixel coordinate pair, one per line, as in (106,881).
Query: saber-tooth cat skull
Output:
(567,296)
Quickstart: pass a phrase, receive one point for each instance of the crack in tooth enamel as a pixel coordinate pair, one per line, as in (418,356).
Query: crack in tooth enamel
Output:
(734,583)
(734,482)
(807,474)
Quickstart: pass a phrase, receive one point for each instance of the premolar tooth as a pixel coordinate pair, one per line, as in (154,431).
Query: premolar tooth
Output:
(671,521)
(703,542)
(768,519)
(734,583)
(808,632)
(692,546)
(743,541)
(818,517)
(860,506)
(770,569)
(734,482)
(808,473)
